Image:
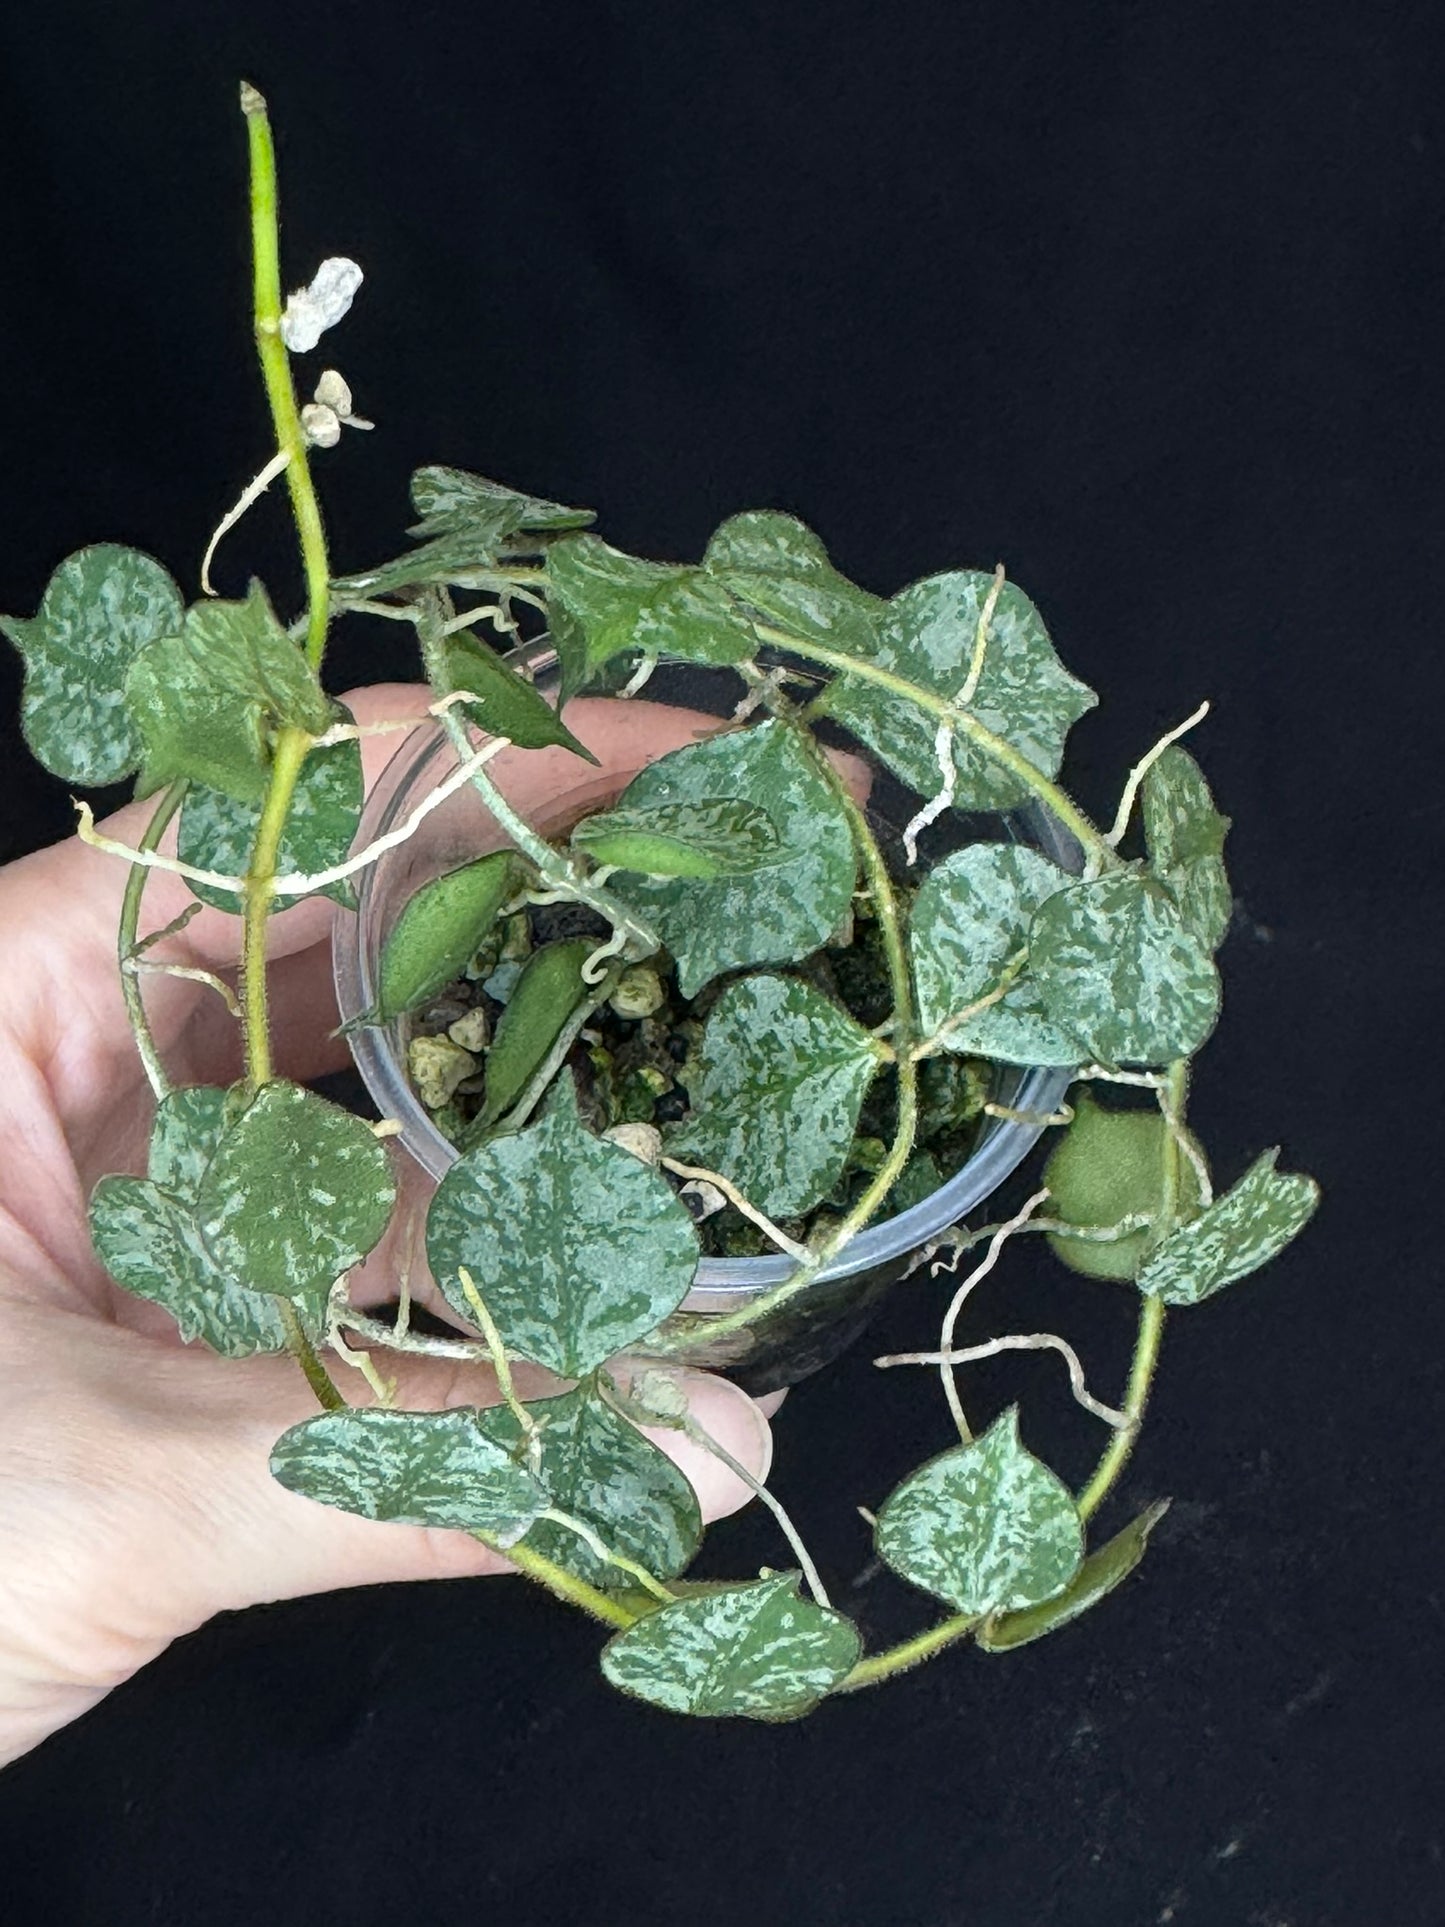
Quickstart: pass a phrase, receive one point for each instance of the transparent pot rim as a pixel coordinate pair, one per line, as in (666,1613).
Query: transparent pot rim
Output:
(720,1284)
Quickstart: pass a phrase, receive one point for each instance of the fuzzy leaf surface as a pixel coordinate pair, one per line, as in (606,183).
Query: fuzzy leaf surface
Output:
(718,836)
(438,931)
(970,918)
(101,607)
(1184,834)
(985,1527)
(468,524)
(297,1192)
(508,705)
(1249,1225)
(778,566)
(756,1650)
(548,991)
(778,916)
(1100,1573)
(412,1468)
(784,1073)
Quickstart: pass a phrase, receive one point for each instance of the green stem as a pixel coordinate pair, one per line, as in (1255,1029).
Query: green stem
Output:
(289,755)
(566,1586)
(130,988)
(908,1653)
(304,1352)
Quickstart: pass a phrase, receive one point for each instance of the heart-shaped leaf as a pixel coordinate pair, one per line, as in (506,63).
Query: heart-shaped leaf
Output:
(412,1468)
(1117,967)
(578,1248)
(1099,1574)
(754,1650)
(716,837)
(100,609)
(969,922)
(204,701)
(548,991)
(777,566)
(1184,834)
(507,704)
(783,1076)
(1249,1225)
(601,1470)
(438,932)
(297,1192)
(927,636)
(776,918)
(218,833)
(985,1526)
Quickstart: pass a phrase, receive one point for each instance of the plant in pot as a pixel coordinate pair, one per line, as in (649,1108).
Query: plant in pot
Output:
(719,938)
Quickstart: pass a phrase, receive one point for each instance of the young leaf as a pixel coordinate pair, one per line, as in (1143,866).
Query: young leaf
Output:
(716,837)
(1116,967)
(100,608)
(754,1650)
(970,919)
(1099,1574)
(205,701)
(438,932)
(603,1471)
(602,602)
(735,921)
(927,635)
(776,565)
(784,1073)
(473,525)
(1249,1225)
(1108,1166)
(412,1468)
(507,704)
(297,1192)
(546,994)
(985,1526)
(1184,835)
(578,1248)
(217,833)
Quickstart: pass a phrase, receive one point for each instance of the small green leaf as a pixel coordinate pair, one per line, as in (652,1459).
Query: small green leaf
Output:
(1249,1225)
(927,635)
(1099,1574)
(755,1650)
(473,525)
(438,932)
(732,922)
(969,921)
(412,1468)
(548,991)
(297,1192)
(784,1073)
(508,705)
(776,565)
(101,607)
(716,837)
(578,1247)
(601,602)
(1116,966)
(1184,834)
(985,1527)
(1108,1166)
(601,1470)
(206,700)
(217,833)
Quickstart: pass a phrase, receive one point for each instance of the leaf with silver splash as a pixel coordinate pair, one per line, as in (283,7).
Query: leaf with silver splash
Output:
(1249,1225)
(1100,1573)
(1184,834)
(718,836)
(778,566)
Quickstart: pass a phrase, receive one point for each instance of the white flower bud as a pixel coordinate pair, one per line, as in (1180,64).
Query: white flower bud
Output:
(311,311)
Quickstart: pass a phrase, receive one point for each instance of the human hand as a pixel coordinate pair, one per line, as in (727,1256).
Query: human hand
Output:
(135,1495)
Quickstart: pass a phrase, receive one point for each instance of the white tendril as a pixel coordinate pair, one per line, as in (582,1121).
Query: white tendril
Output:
(1141,769)
(1021,1342)
(956,1304)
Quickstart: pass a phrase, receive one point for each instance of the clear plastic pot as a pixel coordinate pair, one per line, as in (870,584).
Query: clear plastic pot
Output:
(812,1329)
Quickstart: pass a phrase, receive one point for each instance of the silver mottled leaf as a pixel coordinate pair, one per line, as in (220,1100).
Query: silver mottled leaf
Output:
(1100,1573)
(777,565)
(718,836)
(1184,834)
(1249,1225)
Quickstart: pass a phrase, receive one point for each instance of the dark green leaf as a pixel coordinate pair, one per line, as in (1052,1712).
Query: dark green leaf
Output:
(1024,695)
(602,602)
(508,705)
(450,498)
(985,1527)
(438,932)
(969,920)
(777,566)
(778,917)
(716,837)
(784,1073)
(1249,1225)
(546,994)
(751,1650)
(217,833)
(1184,835)
(1108,1166)
(1099,1574)
(206,700)
(297,1192)
(578,1248)
(412,1468)
(100,608)
(1116,967)
(601,1470)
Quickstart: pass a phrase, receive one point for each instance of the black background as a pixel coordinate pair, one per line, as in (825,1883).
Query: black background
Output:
(1145,301)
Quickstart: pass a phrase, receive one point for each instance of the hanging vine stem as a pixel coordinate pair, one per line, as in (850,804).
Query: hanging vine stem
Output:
(128,945)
